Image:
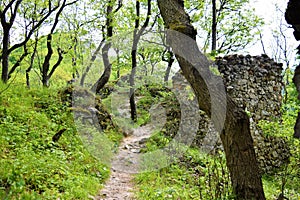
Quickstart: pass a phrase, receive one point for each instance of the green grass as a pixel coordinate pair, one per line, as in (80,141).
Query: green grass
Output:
(32,165)
(194,175)
(201,176)
(198,175)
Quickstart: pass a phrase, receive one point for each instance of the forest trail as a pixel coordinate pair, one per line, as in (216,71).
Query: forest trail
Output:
(124,165)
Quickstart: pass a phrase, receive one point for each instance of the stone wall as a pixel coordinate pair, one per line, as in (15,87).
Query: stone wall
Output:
(255,84)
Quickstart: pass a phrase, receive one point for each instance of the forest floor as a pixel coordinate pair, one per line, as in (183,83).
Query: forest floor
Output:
(125,164)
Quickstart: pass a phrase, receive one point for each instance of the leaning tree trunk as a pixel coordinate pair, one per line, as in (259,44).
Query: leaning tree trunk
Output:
(292,17)
(236,137)
(107,70)
(101,82)
(88,68)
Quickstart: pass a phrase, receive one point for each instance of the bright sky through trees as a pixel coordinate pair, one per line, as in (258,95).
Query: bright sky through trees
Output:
(267,10)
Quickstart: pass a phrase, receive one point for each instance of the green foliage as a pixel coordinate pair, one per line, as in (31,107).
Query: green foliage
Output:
(35,167)
(237,24)
(32,165)
(287,180)
(195,175)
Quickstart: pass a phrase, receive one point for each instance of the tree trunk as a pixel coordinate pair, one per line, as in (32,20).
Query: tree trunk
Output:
(292,17)
(214,27)
(107,65)
(296,81)
(118,63)
(46,63)
(170,61)
(236,137)
(5,55)
(6,27)
(131,80)
(107,71)
(136,37)
(94,56)
(28,70)
(18,63)
(75,73)
(8,16)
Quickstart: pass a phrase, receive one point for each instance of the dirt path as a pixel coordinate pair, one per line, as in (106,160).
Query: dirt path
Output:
(125,164)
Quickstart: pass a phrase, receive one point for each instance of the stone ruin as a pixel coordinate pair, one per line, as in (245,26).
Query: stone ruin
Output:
(255,84)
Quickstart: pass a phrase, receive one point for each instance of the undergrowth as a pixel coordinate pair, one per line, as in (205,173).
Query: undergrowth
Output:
(32,165)
(197,175)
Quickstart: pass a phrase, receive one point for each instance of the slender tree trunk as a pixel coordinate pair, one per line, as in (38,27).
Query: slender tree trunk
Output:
(136,37)
(133,112)
(11,6)
(170,63)
(75,73)
(107,65)
(46,63)
(236,137)
(167,75)
(118,63)
(5,55)
(28,70)
(94,56)
(107,71)
(131,78)
(214,27)
(152,68)
(18,63)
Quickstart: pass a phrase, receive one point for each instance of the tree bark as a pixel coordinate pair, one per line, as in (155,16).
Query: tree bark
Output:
(292,17)
(87,69)
(170,60)
(236,137)
(296,81)
(10,11)
(6,26)
(214,27)
(5,56)
(46,65)
(28,70)
(107,65)
(136,37)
